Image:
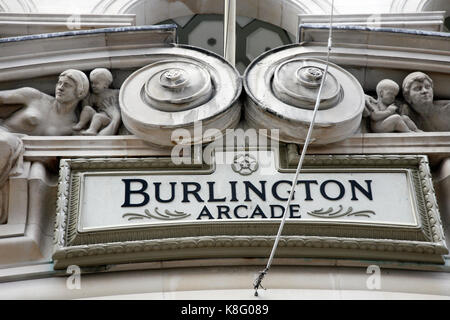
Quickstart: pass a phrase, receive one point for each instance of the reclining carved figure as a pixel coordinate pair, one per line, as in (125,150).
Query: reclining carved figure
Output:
(429,115)
(39,114)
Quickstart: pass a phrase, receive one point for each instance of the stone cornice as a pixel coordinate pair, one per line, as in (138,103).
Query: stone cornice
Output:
(436,145)
(20,24)
(49,54)
(432,20)
(227,246)
(400,42)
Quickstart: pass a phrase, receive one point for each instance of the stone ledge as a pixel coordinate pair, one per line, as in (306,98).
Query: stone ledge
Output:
(10,273)
(436,145)
(431,21)
(19,24)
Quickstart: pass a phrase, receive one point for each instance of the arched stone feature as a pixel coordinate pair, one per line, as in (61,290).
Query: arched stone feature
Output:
(438,5)
(17,6)
(73,50)
(402,6)
(186,88)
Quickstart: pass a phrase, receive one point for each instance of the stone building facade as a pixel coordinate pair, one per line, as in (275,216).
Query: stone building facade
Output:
(137,162)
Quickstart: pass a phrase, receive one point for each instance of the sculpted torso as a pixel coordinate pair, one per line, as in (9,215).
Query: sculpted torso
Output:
(97,100)
(429,114)
(39,116)
(44,115)
(436,118)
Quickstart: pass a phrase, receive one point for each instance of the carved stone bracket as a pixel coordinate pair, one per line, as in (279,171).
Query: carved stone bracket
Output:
(26,235)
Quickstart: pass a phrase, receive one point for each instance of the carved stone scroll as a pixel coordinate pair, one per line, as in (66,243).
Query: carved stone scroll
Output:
(281,89)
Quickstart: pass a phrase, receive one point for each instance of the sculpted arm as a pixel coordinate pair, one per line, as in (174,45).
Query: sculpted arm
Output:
(381,115)
(18,96)
(370,105)
(374,112)
(112,105)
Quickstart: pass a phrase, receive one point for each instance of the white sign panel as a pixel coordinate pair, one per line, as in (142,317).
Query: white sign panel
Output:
(373,207)
(250,188)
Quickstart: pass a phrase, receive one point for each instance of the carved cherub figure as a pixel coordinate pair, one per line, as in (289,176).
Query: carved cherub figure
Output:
(384,110)
(100,108)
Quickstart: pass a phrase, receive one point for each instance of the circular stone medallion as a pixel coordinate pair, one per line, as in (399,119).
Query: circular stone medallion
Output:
(185,88)
(177,85)
(282,87)
(297,82)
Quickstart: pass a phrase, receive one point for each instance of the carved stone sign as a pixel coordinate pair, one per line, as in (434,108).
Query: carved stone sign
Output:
(384,203)
(233,192)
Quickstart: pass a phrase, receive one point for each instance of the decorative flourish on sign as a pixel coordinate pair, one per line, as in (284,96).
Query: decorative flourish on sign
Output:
(244,164)
(167,215)
(330,213)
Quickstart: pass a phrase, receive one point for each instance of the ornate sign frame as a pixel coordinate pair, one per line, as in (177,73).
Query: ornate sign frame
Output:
(215,239)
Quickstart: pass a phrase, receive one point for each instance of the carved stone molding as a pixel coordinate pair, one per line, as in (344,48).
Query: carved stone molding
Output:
(432,21)
(21,24)
(238,246)
(25,57)
(436,145)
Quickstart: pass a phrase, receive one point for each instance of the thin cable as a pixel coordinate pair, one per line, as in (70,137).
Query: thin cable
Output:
(257,283)
(229,31)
